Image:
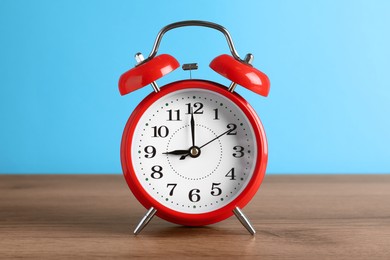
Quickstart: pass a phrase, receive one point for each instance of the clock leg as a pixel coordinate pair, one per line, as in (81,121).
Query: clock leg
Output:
(244,220)
(145,220)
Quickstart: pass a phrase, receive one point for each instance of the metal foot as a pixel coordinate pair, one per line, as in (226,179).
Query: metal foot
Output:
(145,220)
(244,221)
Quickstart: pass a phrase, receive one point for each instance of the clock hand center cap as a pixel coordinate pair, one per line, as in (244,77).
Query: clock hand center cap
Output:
(194,151)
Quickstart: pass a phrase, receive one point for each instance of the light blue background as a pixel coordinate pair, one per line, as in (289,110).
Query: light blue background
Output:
(329,64)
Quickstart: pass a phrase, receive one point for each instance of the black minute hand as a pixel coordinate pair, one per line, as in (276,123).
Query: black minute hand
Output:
(193,128)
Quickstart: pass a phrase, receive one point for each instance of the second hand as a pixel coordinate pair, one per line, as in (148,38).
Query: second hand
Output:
(228,131)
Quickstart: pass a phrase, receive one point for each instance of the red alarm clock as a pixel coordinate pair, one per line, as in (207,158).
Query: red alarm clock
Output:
(194,152)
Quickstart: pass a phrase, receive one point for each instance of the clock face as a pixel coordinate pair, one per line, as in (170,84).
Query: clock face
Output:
(193,150)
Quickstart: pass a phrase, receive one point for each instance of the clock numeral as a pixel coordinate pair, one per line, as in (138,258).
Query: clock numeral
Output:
(239,151)
(150,151)
(232,127)
(197,108)
(174,114)
(157,174)
(215,191)
(216,114)
(231,174)
(161,131)
(193,195)
(173,188)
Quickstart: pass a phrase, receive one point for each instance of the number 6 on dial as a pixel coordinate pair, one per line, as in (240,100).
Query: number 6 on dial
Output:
(194,152)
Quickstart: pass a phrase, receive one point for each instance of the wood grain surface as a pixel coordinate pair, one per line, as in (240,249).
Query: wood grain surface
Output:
(296,217)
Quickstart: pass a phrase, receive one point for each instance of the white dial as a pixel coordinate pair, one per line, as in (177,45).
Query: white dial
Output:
(194,150)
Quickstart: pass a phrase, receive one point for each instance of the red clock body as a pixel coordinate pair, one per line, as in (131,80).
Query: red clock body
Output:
(194,151)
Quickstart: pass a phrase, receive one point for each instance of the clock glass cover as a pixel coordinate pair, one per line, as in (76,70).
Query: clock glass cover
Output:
(193,150)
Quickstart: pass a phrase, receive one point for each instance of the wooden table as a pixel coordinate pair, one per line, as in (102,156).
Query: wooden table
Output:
(92,216)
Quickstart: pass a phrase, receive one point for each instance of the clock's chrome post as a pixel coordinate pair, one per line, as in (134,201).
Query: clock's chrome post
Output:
(232,86)
(145,220)
(244,220)
(140,58)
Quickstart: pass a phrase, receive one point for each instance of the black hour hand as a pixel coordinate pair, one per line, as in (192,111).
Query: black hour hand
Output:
(178,152)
